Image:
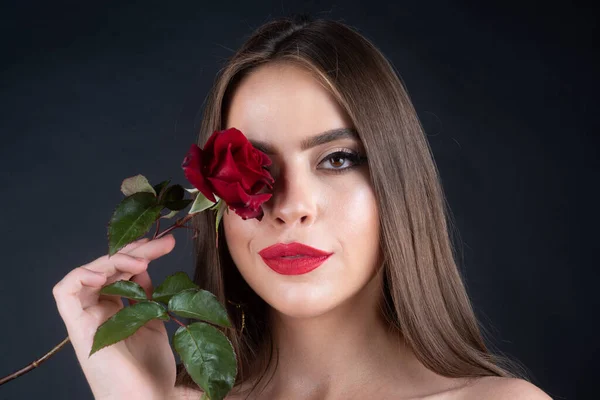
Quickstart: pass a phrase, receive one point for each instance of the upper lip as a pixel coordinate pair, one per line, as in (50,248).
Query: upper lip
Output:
(291,249)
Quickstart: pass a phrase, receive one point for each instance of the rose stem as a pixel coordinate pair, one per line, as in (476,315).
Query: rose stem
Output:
(34,364)
(157,227)
(177,224)
(176,320)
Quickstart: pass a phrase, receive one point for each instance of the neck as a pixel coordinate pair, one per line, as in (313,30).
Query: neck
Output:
(349,346)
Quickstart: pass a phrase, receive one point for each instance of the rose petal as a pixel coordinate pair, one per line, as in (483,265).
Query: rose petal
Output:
(225,190)
(264,159)
(227,169)
(251,176)
(247,213)
(208,148)
(244,155)
(253,156)
(245,205)
(192,169)
(254,207)
(221,144)
(258,186)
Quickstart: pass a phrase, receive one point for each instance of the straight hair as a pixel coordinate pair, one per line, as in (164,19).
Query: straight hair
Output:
(424,298)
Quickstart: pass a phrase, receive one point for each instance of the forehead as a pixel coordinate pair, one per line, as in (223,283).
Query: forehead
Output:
(283,103)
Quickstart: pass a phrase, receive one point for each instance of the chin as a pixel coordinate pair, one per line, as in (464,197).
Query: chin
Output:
(303,311)
(300,302)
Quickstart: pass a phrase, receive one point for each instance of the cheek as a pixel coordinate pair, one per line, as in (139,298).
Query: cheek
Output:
(237,231)
(361,214)
(359,236)
(241,237)
(353,208)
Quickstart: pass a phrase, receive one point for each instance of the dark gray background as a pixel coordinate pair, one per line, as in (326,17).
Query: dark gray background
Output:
(95,92)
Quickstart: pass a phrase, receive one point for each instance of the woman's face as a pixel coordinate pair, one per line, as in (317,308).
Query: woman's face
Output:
(319,200)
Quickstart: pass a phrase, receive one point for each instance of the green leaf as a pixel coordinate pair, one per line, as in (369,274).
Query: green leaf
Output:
(123,288)
(199,304)
(160,188)
(204,396)
(217,204)
(208,357)
(201,203)
(126,322)
(170,215)
(178,205)
(136,184)
(173,193)
(132,218)
(221,210)
(173,198)
(173,284)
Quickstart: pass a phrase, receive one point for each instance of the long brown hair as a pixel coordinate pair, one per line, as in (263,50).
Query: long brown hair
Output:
(423,297)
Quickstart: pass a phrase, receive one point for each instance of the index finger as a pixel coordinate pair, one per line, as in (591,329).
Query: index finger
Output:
(154,248)
(120,263)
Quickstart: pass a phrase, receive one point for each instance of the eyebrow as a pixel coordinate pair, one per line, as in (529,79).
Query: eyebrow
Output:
(313,141)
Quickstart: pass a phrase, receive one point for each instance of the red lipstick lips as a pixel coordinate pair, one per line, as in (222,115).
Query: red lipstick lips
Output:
(293,258)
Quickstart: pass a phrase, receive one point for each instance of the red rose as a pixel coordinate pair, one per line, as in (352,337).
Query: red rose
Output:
(231,168)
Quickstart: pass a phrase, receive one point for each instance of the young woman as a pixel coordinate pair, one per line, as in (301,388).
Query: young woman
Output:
(379,311)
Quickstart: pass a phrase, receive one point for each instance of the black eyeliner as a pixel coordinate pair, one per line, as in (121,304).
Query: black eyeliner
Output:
(355,158)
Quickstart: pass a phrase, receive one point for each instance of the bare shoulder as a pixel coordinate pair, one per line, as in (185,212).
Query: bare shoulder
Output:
(498,388)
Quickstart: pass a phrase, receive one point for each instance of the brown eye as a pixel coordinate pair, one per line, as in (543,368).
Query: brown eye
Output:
(341,161)
(337,161)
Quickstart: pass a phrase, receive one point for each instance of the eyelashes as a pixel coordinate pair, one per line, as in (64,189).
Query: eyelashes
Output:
(348,156)
(336,162)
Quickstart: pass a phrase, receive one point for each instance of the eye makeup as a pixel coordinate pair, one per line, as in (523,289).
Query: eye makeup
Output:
(350,160)
(352,157)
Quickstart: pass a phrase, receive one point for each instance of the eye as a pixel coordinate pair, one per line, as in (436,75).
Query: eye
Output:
(342,160)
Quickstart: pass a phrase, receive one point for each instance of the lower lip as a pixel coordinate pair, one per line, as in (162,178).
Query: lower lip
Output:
(294,266)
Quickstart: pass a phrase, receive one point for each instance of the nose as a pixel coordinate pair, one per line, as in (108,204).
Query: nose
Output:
(294,200)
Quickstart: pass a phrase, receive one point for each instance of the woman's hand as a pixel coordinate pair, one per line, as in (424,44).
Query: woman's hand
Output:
(139,367)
